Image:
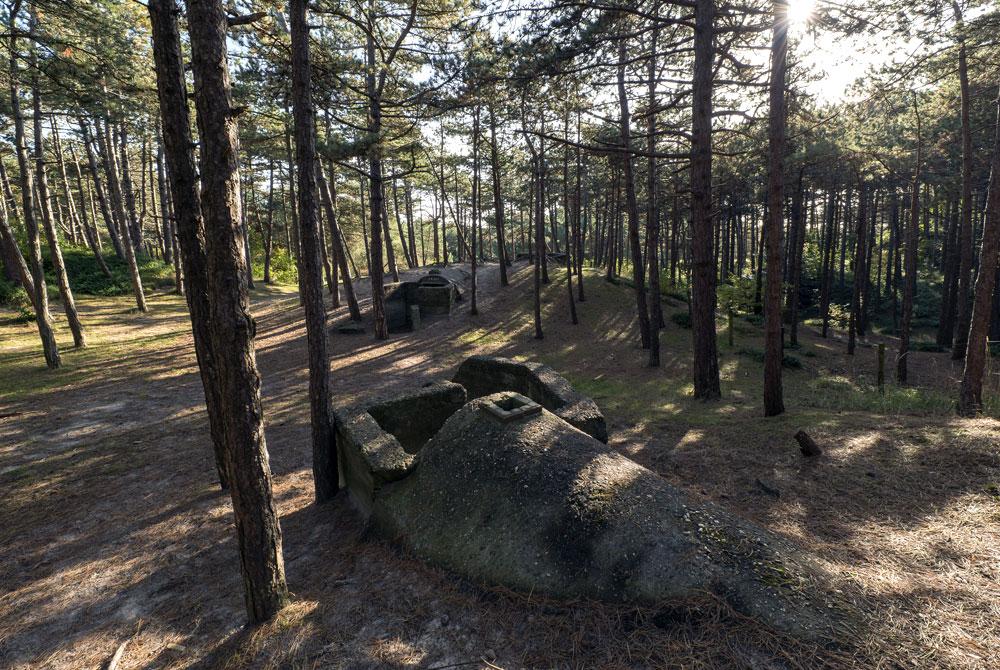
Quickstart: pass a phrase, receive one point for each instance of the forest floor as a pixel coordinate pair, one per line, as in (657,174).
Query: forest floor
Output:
(112,529)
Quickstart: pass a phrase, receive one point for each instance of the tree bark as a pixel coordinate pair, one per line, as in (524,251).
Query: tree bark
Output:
(703,298)
(497,198)
(40,299)
(774,403)
(55,252)
(190,227)
(912,240)
(652,205)
(232,325)
(796,247)
(970,399)
(324,449)
(631,204)
(966,252)
(474,307)
(860,268)
(337,240)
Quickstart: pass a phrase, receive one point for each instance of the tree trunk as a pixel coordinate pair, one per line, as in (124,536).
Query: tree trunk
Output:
(796,247)
(12,257)
(970,399)
(337,240)
(102,198)
(190,228)
(375,188)
(774,403)
(706,362)
(232,325)
(912,240)
(566,222)
(40,299)
(497,199)
(118,209)
(638,269)
(296,254)
(474,308)
(76,228)
(949,290)
(55,252)
(966,252)
(860,269)
(128,193)
(652,206)
(324,449)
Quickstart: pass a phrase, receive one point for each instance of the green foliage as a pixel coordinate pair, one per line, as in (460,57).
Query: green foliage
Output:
(737,294)
(283,269)
(840,315)
(682,319)
(86,277)
(17,299)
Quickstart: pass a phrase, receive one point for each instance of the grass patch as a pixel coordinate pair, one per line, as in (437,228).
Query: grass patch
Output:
(477,336)
(840,393)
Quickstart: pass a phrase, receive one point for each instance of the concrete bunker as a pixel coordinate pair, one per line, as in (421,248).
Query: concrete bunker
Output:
(502,490)
(483,375)
(409,303)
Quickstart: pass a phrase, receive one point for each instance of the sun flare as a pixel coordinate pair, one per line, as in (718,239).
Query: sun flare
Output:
(800,13)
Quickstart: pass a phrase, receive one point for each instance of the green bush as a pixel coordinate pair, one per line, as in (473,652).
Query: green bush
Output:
(682,319)
(738,293)
(283,269)
(86,276)
(17,299)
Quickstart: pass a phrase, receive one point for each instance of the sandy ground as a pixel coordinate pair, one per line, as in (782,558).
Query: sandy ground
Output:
(113,531)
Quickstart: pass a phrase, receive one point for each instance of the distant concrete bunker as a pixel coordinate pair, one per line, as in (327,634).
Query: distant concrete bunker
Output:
(409,303)
(503,476)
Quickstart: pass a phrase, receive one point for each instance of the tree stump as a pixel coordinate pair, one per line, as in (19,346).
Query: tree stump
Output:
(808,445)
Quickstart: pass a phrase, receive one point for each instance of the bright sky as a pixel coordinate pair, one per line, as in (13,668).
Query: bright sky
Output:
(844,59)
(840,59)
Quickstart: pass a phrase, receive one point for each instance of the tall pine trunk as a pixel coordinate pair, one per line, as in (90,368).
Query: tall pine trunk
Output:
(631,204)
(774,403)
(324,449)
(912,240)
(40,296)
(703,298)
(966,252)
(233,327)
(497,199)
(190,237)
(970,399)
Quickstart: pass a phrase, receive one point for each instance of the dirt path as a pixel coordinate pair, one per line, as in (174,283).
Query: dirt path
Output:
(112,528)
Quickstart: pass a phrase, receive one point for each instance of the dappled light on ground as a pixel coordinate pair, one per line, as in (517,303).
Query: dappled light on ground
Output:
(112,527)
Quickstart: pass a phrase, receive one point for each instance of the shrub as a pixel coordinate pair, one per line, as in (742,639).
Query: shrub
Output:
(682,319)
(738,293)
(17,299)
(86,276)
